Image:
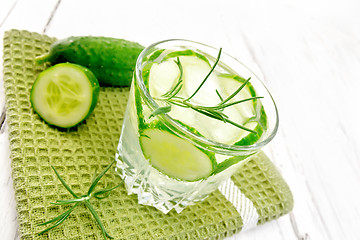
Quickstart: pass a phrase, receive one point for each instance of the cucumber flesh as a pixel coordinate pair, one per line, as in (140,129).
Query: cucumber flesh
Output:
(175,156)
(64,94)
(162,77)
(246,111)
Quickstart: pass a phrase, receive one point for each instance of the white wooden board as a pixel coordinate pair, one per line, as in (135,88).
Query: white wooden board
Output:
(308,53)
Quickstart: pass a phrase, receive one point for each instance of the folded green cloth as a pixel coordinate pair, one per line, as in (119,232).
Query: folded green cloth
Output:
(254,195)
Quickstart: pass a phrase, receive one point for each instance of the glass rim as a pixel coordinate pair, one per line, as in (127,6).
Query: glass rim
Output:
(180,129)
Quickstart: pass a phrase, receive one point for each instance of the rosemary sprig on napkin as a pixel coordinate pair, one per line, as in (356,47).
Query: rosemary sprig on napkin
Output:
(85,199)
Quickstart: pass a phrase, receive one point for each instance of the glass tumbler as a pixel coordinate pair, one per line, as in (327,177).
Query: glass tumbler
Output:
(174,149)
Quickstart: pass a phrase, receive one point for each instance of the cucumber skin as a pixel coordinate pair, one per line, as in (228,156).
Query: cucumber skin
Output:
(111,60)
(96,89)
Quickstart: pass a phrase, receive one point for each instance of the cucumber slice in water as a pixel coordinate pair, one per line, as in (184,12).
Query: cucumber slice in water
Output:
(251,111)
(64,94)
(175,156)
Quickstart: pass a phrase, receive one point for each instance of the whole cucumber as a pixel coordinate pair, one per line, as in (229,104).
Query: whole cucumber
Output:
(111,60)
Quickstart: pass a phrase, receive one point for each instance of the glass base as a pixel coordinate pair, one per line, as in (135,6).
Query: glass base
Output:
(160,191)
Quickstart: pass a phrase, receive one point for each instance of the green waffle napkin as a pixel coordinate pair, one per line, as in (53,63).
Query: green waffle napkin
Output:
(78,152)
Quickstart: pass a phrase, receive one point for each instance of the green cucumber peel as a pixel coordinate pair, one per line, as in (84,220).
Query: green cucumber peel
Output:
(111,60)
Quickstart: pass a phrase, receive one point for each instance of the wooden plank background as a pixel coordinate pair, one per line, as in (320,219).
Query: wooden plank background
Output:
(307,52)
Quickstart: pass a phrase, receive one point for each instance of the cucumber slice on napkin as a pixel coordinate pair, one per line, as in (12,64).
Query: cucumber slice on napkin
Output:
(64,94)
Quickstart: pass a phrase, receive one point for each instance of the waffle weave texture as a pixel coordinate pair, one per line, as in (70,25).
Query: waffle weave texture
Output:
(77,153)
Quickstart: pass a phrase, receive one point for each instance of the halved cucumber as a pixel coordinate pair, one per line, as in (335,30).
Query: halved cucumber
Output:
(64,94)
(175,156)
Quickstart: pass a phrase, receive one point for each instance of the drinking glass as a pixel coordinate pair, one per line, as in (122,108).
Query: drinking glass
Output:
(155,187)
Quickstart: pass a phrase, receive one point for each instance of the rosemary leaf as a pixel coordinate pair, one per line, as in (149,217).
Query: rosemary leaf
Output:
(64,183)
(97,179)
(59,220)
(65,202)
(241,101)
(217,92)
(240,126)
(95,174)
(207,111)
(174,90)
(103,191)
(105,195)
(207,76)
(96,216)
(178,103)
(58,217)
(160,110)
(211,114)
(236,92)
(231,104)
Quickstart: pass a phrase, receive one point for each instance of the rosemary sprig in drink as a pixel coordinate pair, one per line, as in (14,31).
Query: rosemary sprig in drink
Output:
(100,194)
(215,112)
